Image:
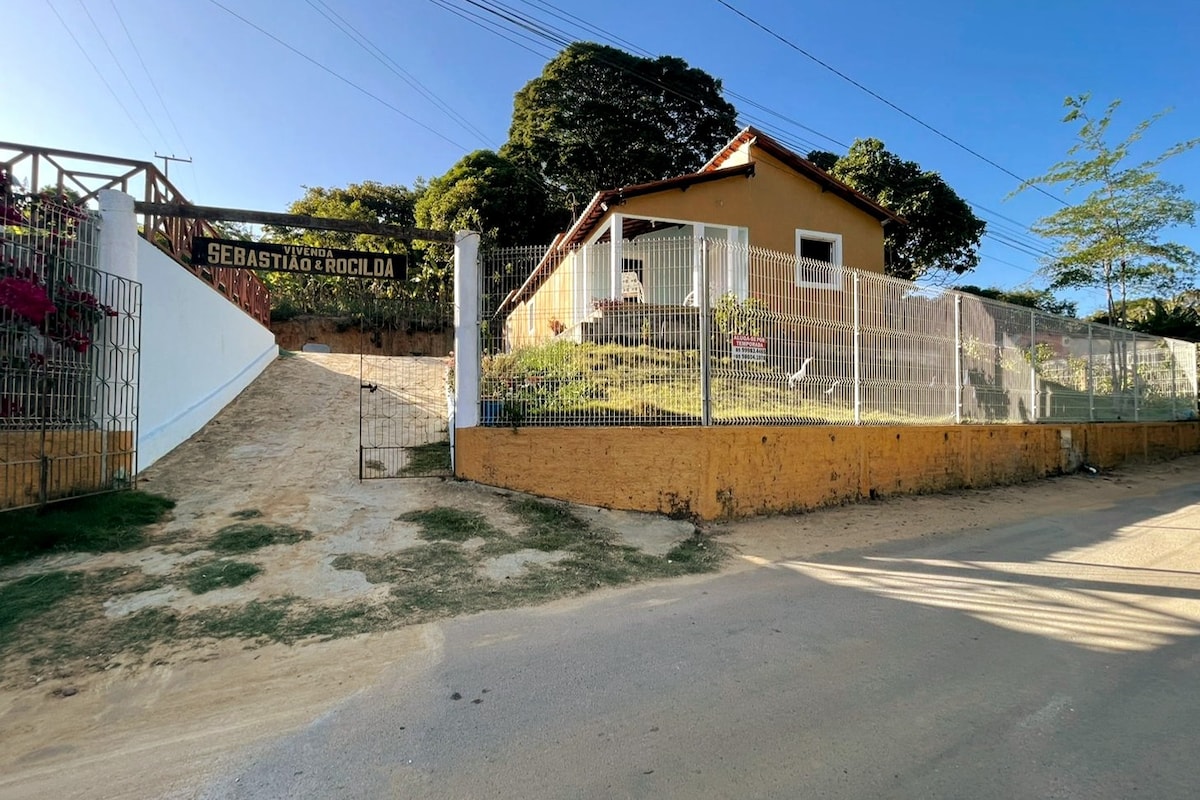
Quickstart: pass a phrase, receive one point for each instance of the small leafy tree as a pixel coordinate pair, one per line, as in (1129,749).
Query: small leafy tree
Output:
(1112,239)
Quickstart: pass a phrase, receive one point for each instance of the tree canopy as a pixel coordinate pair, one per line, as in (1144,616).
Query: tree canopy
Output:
(368,201)
(488,193)
(1113,238)
(598,118)
(1041,299)
(1177,317)
(942,233)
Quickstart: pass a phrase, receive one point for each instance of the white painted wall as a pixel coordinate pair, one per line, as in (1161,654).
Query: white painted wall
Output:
(198,350)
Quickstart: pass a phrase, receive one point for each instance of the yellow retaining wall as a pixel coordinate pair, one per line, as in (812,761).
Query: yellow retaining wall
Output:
(79,460)
(740,471)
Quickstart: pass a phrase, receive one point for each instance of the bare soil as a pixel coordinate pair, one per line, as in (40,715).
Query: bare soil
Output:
(285,453)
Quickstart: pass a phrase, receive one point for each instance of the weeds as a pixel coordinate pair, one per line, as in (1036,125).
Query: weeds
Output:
(32,596)
(550,526)
(450,524)
(218,573)
(58,619)
(432,458)
(97,524)
(244,537)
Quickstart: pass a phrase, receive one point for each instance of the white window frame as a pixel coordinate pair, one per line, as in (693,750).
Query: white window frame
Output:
(835,274)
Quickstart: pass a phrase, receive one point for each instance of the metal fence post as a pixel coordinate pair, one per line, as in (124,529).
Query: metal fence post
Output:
(705,335)
(1134,382)
(857,353)
(1033,373)
(1171,352)
(958,365)
(1091,378)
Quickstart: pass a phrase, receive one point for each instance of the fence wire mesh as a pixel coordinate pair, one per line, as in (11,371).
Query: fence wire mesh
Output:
(670,330)
(69,347)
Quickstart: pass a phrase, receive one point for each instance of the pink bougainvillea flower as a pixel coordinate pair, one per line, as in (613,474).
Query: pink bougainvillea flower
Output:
(26,299)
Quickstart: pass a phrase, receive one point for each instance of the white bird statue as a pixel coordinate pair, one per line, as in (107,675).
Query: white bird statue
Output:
(833,386)
(799,374)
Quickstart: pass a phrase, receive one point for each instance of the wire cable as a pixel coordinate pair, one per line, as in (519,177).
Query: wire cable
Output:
(150,77)
(337,75)
(124,74)
(100,75)
(1024,181)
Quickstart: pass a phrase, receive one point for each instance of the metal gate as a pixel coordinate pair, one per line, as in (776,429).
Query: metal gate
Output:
(69,344)
(404,400)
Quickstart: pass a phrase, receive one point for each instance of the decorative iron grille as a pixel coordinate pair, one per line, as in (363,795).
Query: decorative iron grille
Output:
(69,341)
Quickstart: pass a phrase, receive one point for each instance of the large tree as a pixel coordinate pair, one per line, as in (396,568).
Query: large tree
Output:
(598,118)
(1113,237)
(942,234)
(488,193)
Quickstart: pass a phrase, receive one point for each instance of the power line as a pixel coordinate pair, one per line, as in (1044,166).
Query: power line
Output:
(489,27)
(337,75)
(149,76)
(121,69)
(379,55)
(1017,240)
(1024,182)
(382,57)
(100,75)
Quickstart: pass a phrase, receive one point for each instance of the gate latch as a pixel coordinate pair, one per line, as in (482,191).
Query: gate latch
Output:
(370,386)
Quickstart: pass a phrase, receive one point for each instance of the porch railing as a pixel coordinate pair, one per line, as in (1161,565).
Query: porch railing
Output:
(84,175)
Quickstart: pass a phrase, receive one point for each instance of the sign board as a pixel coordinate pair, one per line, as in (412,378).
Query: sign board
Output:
(750,348)
(631,287)
(296,258)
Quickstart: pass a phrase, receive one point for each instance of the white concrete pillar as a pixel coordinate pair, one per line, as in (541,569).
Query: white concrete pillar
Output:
(118,235)
(467,361)
(117,352)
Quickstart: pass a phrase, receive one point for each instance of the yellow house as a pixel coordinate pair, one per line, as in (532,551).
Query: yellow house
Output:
(754,197)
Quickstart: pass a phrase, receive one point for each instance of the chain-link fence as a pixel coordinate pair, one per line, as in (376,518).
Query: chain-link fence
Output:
(676,331)
(69,340)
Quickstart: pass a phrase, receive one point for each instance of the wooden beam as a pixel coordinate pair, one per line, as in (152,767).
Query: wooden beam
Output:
(210,213)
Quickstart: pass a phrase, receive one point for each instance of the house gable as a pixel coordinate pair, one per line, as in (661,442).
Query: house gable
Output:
(755,189)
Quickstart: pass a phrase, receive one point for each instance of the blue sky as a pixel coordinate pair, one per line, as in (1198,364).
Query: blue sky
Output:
(261,122)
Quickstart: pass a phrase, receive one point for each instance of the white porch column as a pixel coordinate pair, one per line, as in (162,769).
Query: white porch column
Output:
(467,361)
(616,236)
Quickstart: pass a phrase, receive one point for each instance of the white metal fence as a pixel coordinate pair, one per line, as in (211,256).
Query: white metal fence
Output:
(672,331)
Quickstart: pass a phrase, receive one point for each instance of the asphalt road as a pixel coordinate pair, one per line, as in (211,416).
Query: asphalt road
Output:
(1053,659)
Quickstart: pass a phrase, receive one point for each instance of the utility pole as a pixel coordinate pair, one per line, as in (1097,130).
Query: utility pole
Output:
(166,162)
